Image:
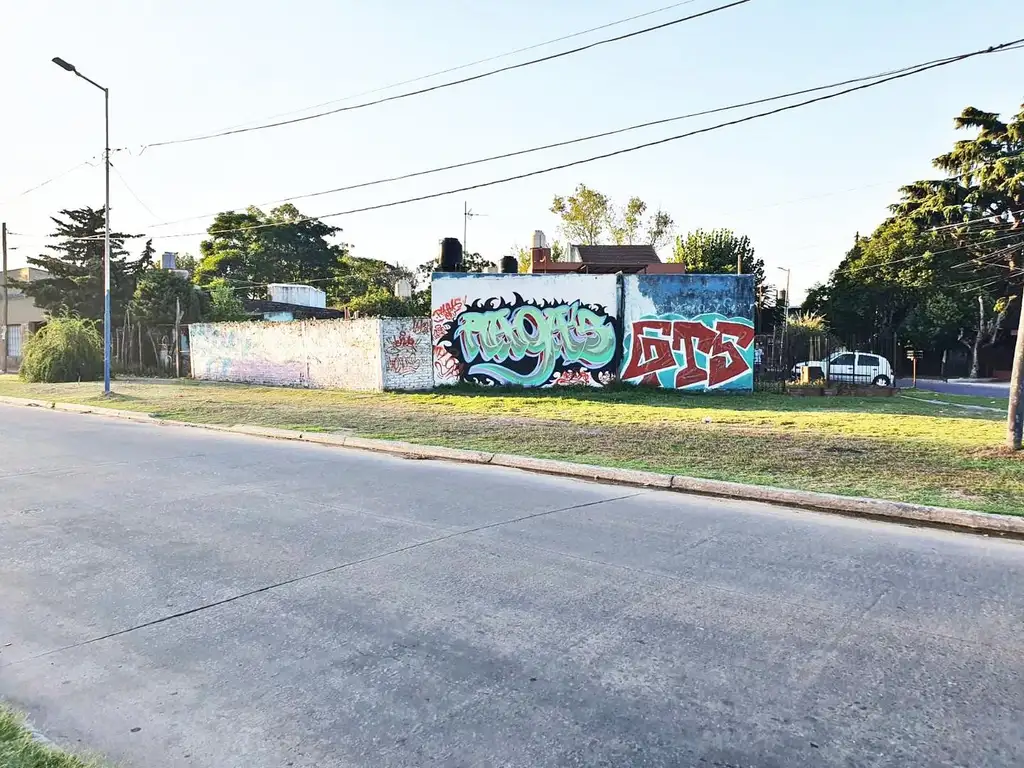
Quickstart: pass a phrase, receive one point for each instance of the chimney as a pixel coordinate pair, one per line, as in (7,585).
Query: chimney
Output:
(540,253)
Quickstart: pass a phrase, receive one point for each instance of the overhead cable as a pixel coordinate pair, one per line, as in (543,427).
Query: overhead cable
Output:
(529,174)
(449,84)
(577,140)
(459,67)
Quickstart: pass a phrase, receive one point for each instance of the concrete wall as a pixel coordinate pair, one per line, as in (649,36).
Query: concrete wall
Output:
(676,331)
(527,330)
(407,353)
(364,354)
(692,332)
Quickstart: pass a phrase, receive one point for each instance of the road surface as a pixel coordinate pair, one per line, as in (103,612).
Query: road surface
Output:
(990,389)
(175,597)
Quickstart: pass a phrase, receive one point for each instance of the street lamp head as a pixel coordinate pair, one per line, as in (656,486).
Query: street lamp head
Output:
(63,64)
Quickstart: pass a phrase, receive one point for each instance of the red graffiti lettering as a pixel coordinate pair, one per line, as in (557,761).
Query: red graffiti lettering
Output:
(649,354)
(663,345)
(572,378)
(447,368)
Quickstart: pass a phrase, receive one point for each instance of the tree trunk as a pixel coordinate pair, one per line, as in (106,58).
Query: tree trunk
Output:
(1015,413)
(977,338)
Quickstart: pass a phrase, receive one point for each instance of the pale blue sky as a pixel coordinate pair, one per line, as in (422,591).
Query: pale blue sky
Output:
(189,66)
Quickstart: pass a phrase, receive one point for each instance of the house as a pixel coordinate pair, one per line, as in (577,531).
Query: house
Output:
(23,316)
(292,301)
(600,259)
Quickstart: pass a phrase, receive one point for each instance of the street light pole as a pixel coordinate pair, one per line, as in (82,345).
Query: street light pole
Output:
(106,217)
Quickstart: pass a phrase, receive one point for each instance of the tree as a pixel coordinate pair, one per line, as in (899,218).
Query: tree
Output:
(717,252)
(357,277)
(471,262)
(67,348)
(159,295)
(225,306)
(254,248)
(75,282)
(589,218)
(984,193)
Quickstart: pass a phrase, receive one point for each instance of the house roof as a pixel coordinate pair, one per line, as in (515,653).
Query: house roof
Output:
(617,254)
(300,311)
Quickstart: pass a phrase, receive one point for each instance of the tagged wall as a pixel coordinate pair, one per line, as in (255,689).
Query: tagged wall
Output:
(322,354)
(407,353)
(692,332)
(527,330)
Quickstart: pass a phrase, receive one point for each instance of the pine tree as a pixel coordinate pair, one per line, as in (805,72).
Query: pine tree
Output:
(75,282)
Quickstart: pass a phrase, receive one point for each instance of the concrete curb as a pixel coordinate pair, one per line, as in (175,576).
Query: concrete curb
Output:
(960,519)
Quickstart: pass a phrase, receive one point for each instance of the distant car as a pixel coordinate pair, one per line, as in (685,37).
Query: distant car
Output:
(854,367)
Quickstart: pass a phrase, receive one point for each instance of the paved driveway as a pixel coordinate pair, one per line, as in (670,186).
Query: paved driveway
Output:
(174,597)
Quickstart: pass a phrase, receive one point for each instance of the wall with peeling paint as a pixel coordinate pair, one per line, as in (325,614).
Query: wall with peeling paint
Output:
(363,354)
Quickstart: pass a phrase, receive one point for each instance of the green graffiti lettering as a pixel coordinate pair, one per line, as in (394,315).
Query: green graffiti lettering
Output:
(495,342)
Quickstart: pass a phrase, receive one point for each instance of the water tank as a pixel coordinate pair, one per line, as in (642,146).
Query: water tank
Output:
(293,293)
(509,265)
(168,260)
(539,239)
(451,255)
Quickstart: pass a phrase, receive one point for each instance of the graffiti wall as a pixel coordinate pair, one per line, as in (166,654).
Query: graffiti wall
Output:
(526,330)
(693,332)
(362,354)
(406,351)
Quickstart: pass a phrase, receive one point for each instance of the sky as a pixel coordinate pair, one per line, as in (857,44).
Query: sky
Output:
(800,184)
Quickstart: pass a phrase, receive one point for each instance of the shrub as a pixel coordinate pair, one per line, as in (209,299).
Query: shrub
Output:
(65,349)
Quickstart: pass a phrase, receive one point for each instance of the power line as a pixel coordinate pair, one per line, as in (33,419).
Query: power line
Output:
(52,179)
(132,191)
(471,78)
(905,73)
(470,64)
(580,139)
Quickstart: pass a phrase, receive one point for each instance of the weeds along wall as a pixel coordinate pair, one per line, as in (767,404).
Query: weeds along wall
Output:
(363,354)
(693,332)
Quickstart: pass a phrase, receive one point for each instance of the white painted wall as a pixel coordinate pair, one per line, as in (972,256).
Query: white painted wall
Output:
(363,354)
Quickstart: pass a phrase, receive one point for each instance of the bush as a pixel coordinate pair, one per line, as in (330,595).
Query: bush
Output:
(65,349)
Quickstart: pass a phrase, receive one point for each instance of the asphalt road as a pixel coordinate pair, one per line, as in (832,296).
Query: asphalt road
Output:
(993,389)
(174,597)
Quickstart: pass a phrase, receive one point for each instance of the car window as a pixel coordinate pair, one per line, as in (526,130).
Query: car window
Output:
(846,359)
(869,361)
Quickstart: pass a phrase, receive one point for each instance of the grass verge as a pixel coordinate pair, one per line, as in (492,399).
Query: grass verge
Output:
(891,448)
(18,748)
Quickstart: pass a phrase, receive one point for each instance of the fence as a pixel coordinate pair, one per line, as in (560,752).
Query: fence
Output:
(149,350)
(787,357)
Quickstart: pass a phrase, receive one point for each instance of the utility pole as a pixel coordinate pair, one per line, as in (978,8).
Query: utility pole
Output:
(3,332)
(177,337)
(1015,413)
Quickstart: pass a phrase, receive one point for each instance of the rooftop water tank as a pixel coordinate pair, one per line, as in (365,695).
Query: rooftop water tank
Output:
(293,293)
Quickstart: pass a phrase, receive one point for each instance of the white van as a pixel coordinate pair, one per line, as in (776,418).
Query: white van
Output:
(853,367)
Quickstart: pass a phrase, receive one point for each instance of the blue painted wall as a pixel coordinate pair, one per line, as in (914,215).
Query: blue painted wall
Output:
(691,332)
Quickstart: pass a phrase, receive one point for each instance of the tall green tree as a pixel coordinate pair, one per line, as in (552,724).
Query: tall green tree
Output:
(717,251)
(75,282)
(254,248)
(983,193)
(159,295)
(590,218)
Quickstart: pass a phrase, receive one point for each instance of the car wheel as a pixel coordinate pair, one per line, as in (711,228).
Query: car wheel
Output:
(881,381)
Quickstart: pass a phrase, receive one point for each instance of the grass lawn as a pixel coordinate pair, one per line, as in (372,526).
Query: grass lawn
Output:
(894,448)
(19,750)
